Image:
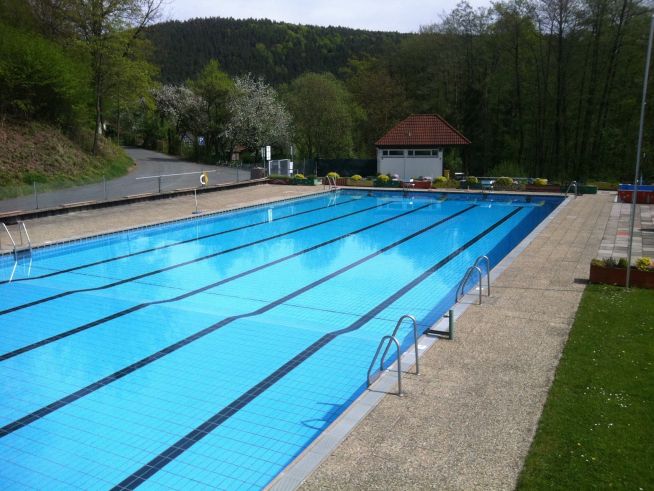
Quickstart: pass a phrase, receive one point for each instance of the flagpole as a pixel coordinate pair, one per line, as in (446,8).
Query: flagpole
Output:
(638,153)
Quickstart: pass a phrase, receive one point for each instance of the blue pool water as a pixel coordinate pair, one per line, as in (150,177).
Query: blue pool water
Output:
(210,352)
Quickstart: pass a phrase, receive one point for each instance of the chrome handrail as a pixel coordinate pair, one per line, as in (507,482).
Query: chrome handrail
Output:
(10,237)
(22,228)
(488,268)
(391,339)
(415,339)
(465,279)
(573,183)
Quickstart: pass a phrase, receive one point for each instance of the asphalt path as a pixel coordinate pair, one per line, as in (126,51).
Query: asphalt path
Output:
(142,178)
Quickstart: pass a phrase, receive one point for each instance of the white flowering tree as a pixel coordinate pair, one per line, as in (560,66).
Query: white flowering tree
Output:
(183,110)
(257,116)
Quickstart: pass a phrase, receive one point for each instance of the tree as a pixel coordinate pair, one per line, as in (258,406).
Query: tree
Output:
(257,116)
(183,111)
(37,80)
(100,24)
(324,114)
(381,97)
(214,86)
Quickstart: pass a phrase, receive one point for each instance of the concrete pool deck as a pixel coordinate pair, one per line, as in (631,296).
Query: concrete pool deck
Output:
(468,419)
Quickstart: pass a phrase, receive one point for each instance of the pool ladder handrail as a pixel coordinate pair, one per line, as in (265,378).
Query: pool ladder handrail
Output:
(572,184)
(393,339)
(469,272)
(331,181)
(13,242)
(22,228)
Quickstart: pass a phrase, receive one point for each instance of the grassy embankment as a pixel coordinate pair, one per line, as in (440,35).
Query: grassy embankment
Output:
(597,428)
(36,152)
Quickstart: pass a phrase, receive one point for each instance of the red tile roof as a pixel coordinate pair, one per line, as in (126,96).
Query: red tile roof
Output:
(422,130)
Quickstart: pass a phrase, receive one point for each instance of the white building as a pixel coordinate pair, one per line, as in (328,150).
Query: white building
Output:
(414,148)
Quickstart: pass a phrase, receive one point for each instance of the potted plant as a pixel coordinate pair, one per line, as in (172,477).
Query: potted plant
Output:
(472,183)
(543,185)
(504,184)
(614,272)
(357,180)
(443,182)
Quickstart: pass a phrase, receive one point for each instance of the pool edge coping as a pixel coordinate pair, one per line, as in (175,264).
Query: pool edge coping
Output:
(302,466)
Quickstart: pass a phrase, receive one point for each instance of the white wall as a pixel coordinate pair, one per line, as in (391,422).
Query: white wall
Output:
(408,167)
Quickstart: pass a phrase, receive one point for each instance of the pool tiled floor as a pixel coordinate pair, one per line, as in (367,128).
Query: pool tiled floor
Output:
(467,421)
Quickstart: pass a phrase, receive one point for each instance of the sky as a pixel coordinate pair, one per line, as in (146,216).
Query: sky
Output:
(376,15)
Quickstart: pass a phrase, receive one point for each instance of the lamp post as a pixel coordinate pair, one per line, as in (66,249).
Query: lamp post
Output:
(638,153)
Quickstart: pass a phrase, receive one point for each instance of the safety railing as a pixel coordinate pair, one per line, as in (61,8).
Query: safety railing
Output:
(573,184)
(13,243)
(331,183)
(460,291)
(25,241)
(392,339)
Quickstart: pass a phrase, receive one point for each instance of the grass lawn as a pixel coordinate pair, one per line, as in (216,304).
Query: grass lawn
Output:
(597,428)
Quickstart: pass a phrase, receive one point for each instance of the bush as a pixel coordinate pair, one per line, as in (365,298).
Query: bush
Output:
(507,168)
(299,176)
(610,262)
(644,264)
(383,178)
(440,179)
(540,182)
(333,174)
(356,177)
(622,263)
(472,180)
(504,181)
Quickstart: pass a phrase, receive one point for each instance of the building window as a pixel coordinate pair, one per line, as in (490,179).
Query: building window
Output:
(393,153)
(423,153)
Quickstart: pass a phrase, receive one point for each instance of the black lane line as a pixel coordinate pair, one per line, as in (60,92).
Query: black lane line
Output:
(187,441)
(64,401)
(89,325)
(152,249)
(185,263)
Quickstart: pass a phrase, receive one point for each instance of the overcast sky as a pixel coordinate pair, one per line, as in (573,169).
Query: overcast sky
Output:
(378,15)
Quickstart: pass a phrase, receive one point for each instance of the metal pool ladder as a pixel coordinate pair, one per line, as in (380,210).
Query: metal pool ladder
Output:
(387,340)
(18,248)
(573,184)
(331,181)
(469,272)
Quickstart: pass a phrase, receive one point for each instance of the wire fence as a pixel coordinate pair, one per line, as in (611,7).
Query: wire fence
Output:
(37,195)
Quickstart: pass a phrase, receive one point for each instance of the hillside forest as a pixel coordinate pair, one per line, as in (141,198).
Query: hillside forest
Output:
(542,88)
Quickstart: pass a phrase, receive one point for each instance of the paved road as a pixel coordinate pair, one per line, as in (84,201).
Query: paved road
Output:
(148,163)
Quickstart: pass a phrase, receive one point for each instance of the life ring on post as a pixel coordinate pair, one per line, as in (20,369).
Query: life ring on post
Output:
(204,179)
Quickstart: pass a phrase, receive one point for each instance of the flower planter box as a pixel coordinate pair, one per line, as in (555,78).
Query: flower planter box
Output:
(618,276)
(421,184)
(470,185)
(360,183)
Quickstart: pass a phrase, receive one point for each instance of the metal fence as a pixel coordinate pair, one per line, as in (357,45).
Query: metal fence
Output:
(40,196)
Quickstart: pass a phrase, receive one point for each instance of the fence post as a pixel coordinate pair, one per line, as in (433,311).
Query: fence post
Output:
(159,179)
(104,183)
(36,195)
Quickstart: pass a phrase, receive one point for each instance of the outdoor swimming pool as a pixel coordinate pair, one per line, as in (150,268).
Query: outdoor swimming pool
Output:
(210,352)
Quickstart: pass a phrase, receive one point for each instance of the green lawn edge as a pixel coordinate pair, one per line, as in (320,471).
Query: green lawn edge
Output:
(597,427)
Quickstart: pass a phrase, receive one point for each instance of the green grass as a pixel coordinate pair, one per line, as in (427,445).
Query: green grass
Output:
(597,428)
